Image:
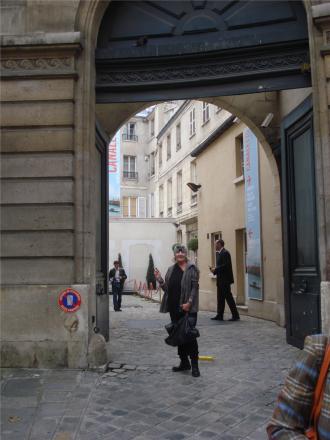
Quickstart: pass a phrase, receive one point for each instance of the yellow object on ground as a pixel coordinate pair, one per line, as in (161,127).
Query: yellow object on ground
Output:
(206,358)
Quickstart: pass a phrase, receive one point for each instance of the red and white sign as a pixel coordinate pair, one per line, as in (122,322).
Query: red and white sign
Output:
(69,300)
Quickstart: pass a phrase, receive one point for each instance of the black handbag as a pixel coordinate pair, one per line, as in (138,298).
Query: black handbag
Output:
(181,332)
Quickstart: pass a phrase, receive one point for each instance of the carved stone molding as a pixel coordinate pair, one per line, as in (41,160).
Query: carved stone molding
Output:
(108,75)
(32,64)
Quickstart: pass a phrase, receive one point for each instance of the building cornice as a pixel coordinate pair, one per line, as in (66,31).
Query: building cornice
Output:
(213,136)
(173,118)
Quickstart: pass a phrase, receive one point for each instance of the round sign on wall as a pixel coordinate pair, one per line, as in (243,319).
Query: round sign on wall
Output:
(69,300)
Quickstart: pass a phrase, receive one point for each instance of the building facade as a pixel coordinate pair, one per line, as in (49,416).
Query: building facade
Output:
(67,64)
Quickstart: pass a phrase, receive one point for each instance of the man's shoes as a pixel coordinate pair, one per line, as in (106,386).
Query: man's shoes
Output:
(237,318)
(184,366)
(194,368)
(217,318)
(119,310)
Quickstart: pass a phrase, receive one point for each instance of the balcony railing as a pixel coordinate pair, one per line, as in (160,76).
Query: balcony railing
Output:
(132,175)
(130,137)
(179,208)
(194,199)
(169,212)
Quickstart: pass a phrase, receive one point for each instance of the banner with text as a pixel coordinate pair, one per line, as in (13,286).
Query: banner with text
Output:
(252,216)
(114,176)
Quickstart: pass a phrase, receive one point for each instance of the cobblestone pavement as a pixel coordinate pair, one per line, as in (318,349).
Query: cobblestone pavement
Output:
(140,397)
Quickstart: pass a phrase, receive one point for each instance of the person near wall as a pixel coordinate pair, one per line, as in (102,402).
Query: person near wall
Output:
(224,273)
(181,295)
(117,277)
(302,410)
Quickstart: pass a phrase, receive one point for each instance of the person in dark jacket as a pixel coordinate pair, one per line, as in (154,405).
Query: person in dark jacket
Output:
(117,277)
(225,278)
(181,294)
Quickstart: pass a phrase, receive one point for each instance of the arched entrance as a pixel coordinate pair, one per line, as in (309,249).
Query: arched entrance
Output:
(196,49)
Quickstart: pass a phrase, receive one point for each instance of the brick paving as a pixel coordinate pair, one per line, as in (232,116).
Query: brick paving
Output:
(140,398)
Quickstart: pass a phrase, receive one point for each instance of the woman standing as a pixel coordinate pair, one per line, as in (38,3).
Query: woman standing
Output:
(181,291)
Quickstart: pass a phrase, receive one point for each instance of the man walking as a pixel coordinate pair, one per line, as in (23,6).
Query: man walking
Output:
(225,278)
(117,277)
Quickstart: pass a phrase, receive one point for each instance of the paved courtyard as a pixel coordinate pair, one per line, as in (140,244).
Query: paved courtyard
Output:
(141,399)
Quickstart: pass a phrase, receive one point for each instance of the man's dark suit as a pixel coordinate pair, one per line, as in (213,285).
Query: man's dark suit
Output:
(117,288)
(225,278)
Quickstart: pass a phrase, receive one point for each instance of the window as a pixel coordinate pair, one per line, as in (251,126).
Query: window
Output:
(142,207)
(179,192)
(214,237)
(239,155)
(129,206)
(152,127)
(129,132)
(192,123)
(152,205)
(161,201)
(206,112)
(178,137)
(168,141)
(169,198)
(129,171)
(152,164)
(160,155)
(193,179)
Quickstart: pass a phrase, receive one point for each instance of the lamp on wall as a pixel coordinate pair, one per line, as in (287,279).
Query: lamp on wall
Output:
(194,186)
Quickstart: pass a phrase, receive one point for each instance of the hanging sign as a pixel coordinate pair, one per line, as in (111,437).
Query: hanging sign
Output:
(252,215)
(114,176)
(69,300)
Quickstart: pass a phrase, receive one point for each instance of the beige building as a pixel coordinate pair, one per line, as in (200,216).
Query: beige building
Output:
(74,72)
(222,214)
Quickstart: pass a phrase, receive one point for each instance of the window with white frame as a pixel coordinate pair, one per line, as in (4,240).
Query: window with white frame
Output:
(169,197)
(142,207)
(152,164)
(129,206)
(192,122)
(179,192)
(152,205)
(206,112)
(193,179)
(214,237)
(168,144)
(161,201)
(129,171)
(152,127)
(178,137)
(129,133)
(239,155)
(160,155)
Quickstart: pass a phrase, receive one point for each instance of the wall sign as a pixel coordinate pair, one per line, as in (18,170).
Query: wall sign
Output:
(69,300)
(114,175)
(252,215)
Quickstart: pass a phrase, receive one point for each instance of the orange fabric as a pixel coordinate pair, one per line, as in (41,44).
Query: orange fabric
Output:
(311,433)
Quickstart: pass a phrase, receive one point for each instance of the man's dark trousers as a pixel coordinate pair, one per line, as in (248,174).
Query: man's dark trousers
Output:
(224,294)
(116,295)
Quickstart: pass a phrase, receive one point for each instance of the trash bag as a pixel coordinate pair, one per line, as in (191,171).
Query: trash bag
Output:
(181,332)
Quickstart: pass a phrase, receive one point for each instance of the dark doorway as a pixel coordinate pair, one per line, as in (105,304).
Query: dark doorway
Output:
(101,319)
(301,269)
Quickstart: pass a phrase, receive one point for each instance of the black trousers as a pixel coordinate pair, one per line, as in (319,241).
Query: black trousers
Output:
(224,294)
(191,348)
(116,295)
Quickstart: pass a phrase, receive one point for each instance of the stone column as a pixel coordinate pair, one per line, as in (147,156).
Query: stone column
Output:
(39,182)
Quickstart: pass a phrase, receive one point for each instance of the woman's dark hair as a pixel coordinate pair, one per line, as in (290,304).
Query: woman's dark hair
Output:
(115,262)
